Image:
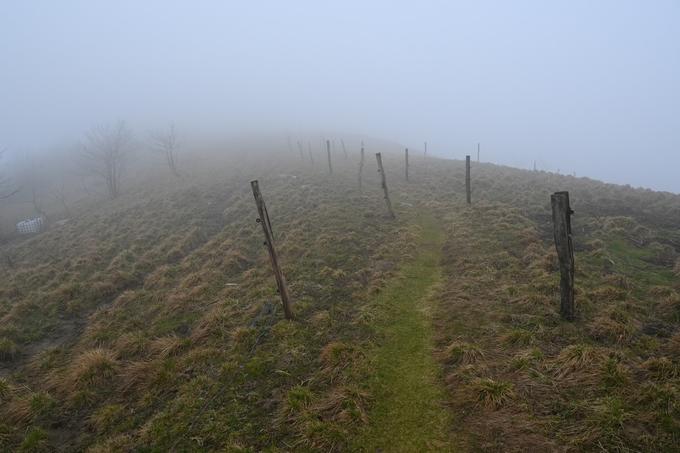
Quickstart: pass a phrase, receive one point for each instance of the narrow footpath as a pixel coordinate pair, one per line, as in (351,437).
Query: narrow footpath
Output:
(408,412)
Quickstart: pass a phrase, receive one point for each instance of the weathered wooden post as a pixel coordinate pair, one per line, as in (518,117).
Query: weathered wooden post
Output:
(311,156)
(263,220)
(344,150)
(406,162)
(477,152)
(328,151)
(561,213)
(361,163)
(378,157)
(468,190)
(302,153)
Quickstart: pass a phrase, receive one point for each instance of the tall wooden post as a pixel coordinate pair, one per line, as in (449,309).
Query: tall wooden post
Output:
(269,242)
(344,150)
(468,190)
(328,151)
(378,157)
(477,152)
(311,156)
(361,163)
(302,153)
(406,162)
(561,213)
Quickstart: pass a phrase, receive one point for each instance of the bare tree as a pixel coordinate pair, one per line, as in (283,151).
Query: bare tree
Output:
(105,152)
(6,187)
(166,143)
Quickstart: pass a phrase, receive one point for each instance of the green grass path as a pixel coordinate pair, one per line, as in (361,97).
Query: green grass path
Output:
(408,412)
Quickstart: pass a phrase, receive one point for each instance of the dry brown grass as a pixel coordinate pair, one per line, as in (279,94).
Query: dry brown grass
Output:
(167,345)
(92,369)
(462,353)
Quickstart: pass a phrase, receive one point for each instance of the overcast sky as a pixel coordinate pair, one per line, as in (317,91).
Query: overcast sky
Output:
(585,86)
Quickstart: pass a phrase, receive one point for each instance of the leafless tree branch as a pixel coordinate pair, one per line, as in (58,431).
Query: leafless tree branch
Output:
(104,154)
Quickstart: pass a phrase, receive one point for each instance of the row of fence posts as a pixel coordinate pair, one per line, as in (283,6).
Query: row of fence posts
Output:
(561,219)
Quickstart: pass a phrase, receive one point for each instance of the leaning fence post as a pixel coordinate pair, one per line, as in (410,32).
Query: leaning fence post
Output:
(263,220)
(406,162)
(561,214)
(378,157)
(468,193)
(328,151)
(302,154)
(361,163)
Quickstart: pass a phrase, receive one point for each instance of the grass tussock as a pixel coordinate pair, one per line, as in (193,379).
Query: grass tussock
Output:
(462,353)
(92,369)
(493,394)
(607,381)
(152,322)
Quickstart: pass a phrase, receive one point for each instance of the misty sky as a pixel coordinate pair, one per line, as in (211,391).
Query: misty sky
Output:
(585,86)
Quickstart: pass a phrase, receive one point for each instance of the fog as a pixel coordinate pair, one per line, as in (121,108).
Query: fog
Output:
(585,87)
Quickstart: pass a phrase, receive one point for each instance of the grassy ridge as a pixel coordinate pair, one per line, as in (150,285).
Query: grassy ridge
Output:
(189,352)
(152,323)
(521,378)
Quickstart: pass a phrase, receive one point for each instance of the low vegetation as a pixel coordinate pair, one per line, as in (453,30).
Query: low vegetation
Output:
(607,381)
(150,322)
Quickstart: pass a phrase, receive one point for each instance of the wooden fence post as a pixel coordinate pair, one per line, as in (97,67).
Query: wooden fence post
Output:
(344,150)
(425,152)
(311,156)
(328,150)
(378,157)
(361,163)
(302,153)
(561,214)
(263,220)
(468,190)
(406,162)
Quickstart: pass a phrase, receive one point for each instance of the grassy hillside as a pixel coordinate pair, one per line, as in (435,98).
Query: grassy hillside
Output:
(152,323)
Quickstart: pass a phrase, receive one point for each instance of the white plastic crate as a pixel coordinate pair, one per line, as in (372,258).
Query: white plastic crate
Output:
(30,225)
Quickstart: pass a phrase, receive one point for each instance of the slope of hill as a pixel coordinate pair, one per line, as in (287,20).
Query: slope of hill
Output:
(152,323)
